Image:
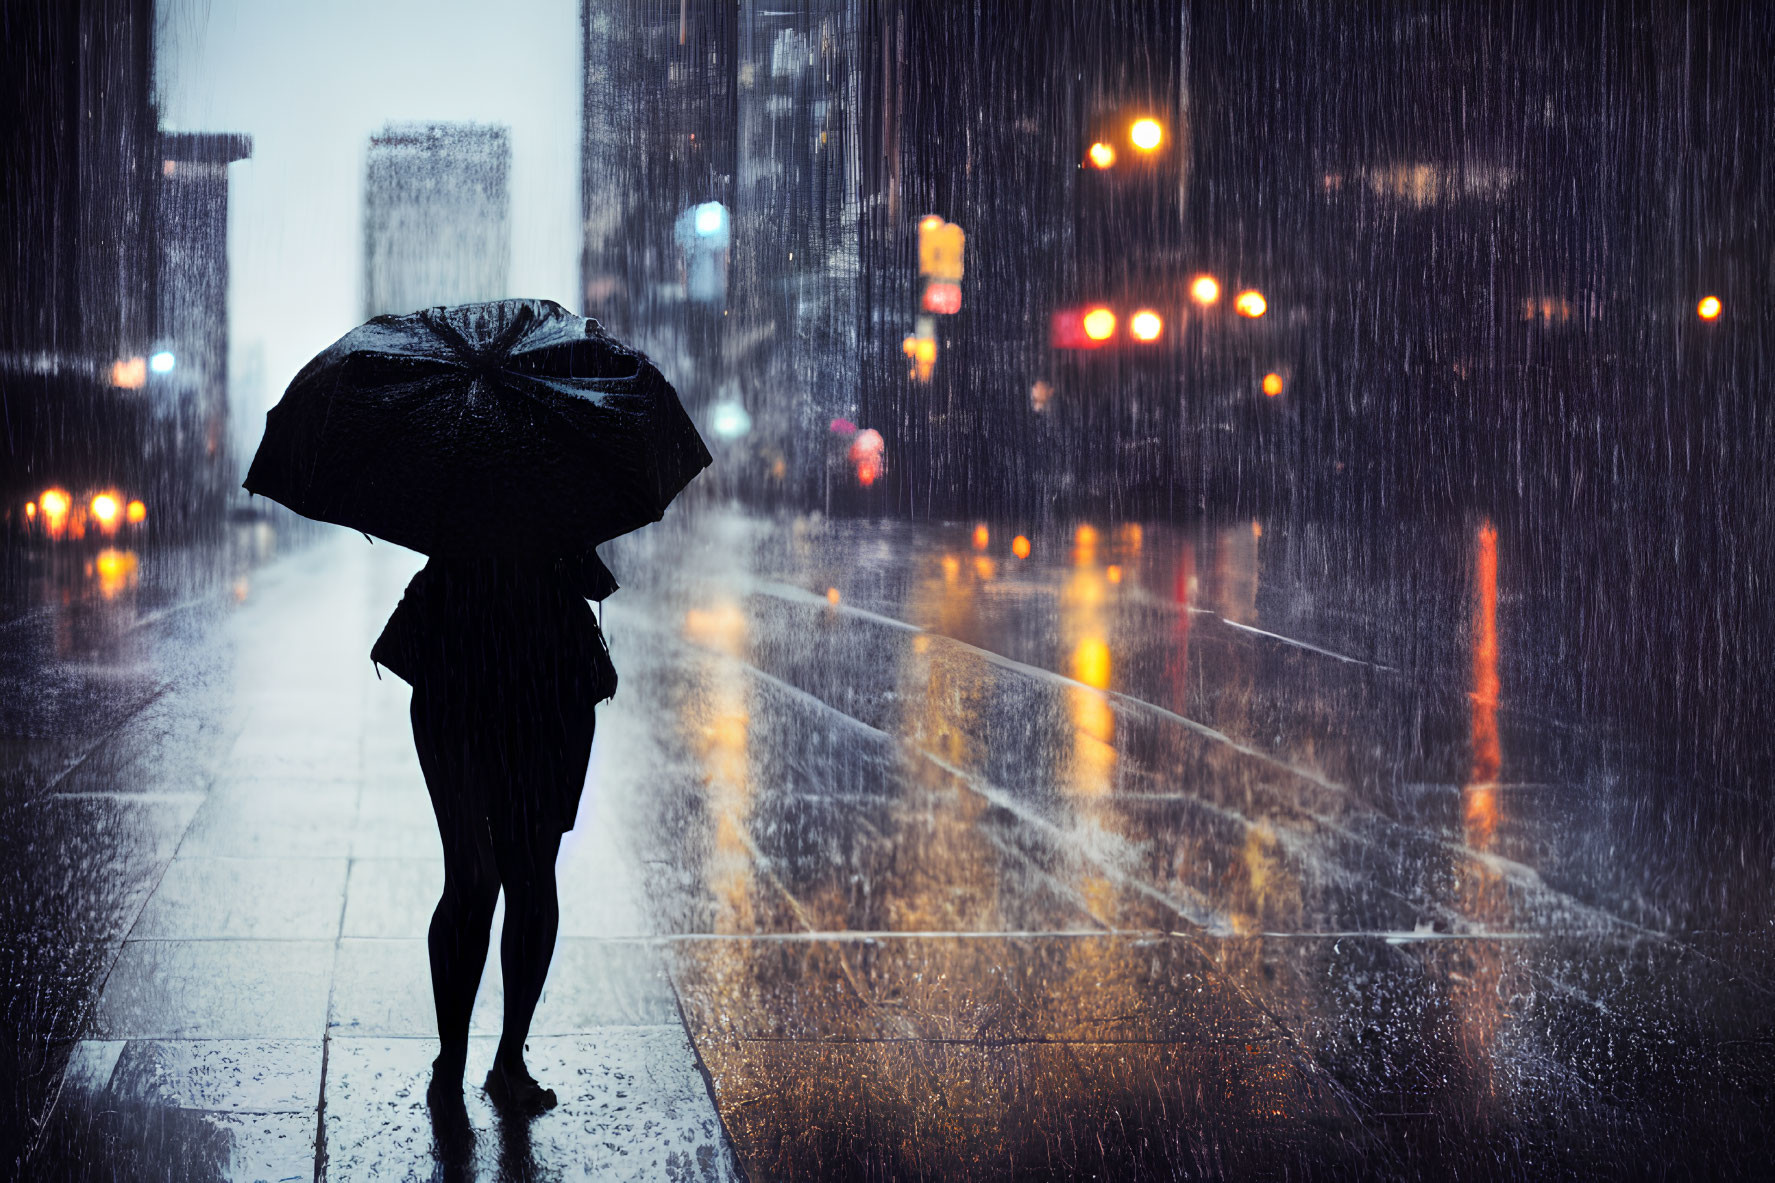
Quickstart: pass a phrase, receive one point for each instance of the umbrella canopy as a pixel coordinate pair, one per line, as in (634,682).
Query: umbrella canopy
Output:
(509,429)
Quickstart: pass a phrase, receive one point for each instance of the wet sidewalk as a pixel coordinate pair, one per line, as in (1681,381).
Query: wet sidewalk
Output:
(268,1012)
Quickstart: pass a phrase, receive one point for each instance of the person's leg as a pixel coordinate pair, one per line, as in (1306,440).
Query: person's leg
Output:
(526,859)
(461,923)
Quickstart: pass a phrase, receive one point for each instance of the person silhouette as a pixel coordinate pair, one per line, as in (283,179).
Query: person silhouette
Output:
(507,664)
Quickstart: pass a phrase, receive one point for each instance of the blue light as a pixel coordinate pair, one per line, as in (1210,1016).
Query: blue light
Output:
(711,219)
(162,362)
(730,421)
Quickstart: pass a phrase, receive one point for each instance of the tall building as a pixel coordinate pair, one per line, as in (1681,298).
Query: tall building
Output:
(188,366)
(437,216)
(720,200)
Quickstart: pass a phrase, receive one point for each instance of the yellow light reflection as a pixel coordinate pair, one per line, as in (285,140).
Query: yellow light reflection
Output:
(116,571)
(1146,134)
(1020,547)
(981,536)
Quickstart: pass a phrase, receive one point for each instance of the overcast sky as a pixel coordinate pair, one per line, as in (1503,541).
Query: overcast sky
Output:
(310,80)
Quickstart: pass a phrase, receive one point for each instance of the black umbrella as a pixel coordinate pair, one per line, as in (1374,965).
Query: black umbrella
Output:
(511,429)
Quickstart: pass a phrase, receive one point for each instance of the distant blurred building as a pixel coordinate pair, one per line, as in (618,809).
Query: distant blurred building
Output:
(721,211)
(437,216)
(188,358)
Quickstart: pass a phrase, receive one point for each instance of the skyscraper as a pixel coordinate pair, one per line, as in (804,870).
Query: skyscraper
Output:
(437,216)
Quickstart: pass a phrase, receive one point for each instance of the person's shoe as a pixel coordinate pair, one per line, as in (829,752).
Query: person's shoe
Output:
(517,1091)
(454,1136)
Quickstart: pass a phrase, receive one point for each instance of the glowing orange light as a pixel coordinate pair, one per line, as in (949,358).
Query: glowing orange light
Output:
(1090,663)
(1145,325)
(1481,800)
(1100,324)
(1272,384)
(1086,536)
(951,568)
(1250,303)
(929,223)
(1020,547)
(981,536)
(1101,155)
(1113,573)
(54,502)
(135,511)
(1146,134)
(1709,308)
(984,567)
(31,510)
(1204,290)
(832,596)
(130,374)
(116,570)
(105,509)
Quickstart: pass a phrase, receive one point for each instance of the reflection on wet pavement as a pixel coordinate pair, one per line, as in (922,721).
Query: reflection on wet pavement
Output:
(1156,853)
(1046,872)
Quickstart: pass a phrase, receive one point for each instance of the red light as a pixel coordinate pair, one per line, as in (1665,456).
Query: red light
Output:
(942,297)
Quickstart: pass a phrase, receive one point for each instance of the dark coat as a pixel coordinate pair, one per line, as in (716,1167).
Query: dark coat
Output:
(504,631)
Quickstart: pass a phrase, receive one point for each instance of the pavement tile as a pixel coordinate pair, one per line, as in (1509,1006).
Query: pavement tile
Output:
(396,825)
(383,987)
(632,1107)
(217,898)
(236,1075)
(91,1063)
(392,897)
(969,1058)
(310,821)
(216,989)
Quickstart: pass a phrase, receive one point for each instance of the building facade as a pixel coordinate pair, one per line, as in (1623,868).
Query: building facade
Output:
(437,216)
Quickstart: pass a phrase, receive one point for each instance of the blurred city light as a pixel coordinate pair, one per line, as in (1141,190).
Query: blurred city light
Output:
(1272,384)
(832,596)
(162,362)
(1205,290)
(55,503)
(1113,573)
(116,570)
(711,219)
(135,512)
(1146,134)
(105,509)
(866,453)
(1101,155)
(943,298)
(1146,325)
(31,510)
(1090,663)
(1020,547)
(1709,308)
(1250,303)
(130,374)
(981,536)
(729,420)
(1100,324)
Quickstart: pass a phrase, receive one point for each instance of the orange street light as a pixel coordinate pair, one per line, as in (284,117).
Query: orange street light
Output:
(1205,290)
(1272,384)
(1146,134)
(1101,155)
(1709,308)
(1100,324)
(1145,325)
(1250,303)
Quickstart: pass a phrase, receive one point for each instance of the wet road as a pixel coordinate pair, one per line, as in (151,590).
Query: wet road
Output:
(1250,849)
